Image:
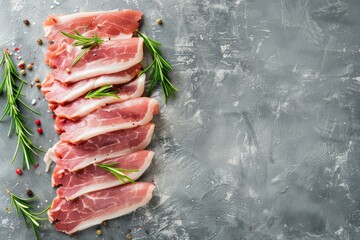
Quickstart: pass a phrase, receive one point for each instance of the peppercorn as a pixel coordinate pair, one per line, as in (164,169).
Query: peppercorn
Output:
(37,122)
(39,130)
(23,72)
(29,66)
(29,192)
(18,171)
(98,232)
(54,116)
(26,22)
(104,223)
(37,80)
(159,21)
(38,85)
(39,41)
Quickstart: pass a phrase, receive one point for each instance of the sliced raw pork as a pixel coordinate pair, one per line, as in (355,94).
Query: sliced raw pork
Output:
(83,106)
(99,148)
(94,208)
(109,24)
(114,117)
(94,178)
(109,57)
(56,92)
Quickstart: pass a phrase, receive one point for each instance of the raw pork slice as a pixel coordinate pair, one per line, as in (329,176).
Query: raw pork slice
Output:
(56,92)
(94,208)
(109,57)
(109,24)
(114,117)
(94,178)
(83,106)
(99,148)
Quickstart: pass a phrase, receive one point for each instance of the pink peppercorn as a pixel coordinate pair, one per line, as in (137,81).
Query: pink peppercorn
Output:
(39,130)
(18,171)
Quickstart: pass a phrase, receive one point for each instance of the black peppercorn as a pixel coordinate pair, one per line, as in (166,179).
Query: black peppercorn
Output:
(29,193)
(26,22)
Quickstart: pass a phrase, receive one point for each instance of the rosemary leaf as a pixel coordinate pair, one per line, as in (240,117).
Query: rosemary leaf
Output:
(104,91)
(118,172)
(86,44)
(82,53)
(11,109)
(159,68)
(23,206)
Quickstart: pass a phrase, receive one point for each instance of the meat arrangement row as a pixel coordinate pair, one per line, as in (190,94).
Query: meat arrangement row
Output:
(100,153)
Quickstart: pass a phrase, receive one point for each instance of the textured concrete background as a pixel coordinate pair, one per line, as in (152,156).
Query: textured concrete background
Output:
(263,139)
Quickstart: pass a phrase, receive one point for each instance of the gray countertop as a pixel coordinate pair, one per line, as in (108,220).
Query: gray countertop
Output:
(263,140)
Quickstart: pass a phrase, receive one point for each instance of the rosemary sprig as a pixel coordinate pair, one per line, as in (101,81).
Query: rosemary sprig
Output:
(23,205)
(118,172)
(86,44)
(13,101)
(159,67)
(104,91)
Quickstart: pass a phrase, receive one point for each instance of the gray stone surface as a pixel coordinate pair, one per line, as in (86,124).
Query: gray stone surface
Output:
(262,141)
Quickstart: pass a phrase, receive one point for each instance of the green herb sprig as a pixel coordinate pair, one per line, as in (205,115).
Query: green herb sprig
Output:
(86,44)
(13,101)
(159,67)
(118,172)
(104,91)
(22,205)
